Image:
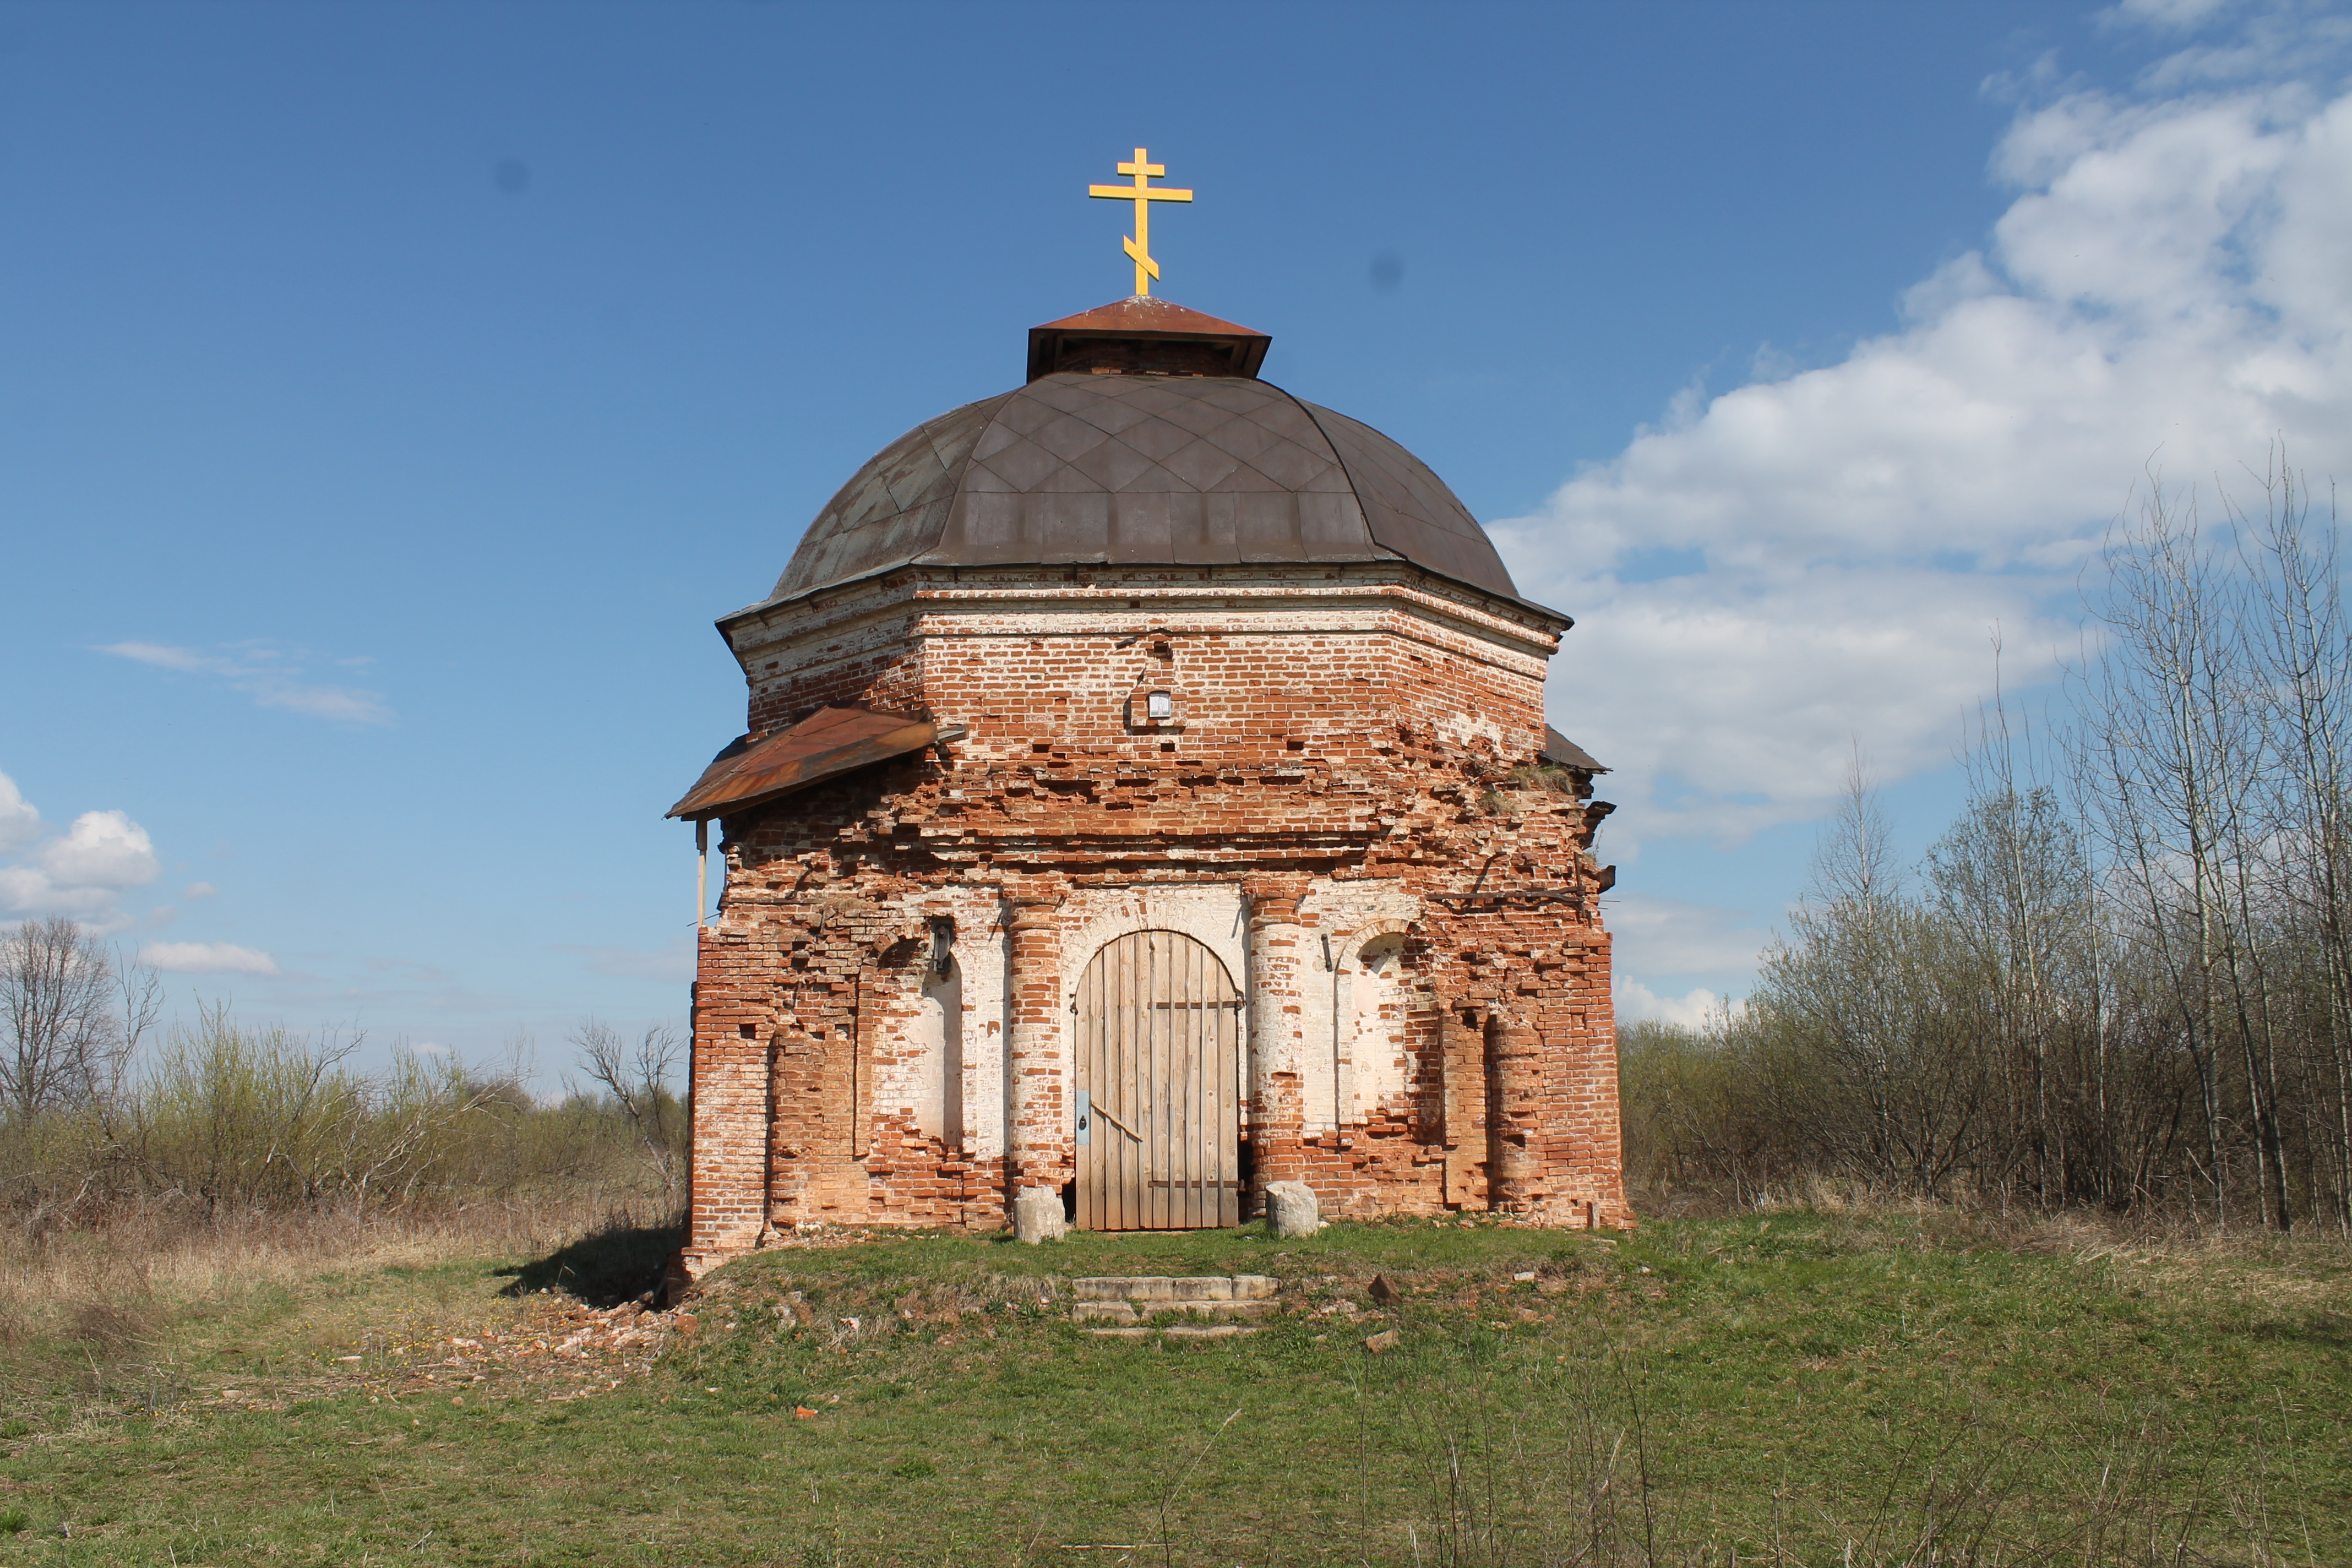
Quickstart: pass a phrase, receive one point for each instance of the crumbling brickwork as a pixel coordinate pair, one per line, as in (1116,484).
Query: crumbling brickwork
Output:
(1343,800)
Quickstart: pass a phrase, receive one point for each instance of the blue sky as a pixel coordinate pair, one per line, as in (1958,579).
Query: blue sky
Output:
(391,396)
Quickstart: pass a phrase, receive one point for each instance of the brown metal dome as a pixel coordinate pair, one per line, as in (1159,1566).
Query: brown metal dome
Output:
(1167,467)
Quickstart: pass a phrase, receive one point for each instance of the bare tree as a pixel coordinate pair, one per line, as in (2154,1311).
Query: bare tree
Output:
(637,1077)
(1854,864)
(2302,648)
(1862,1036)
(2129,984)
(400,1128)
(2176,760)
(65,1042)
(139,993)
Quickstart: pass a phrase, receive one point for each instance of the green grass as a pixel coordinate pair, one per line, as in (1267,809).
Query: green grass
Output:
(1879,1390)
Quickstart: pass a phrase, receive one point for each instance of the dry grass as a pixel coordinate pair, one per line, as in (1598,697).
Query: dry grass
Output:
(2088,1233)
(118,1290)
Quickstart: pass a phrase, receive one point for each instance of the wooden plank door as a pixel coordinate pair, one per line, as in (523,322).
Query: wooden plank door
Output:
(1158,1087)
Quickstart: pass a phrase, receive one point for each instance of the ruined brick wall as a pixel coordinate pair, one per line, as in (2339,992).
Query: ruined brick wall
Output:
(1347,761)
(869,661)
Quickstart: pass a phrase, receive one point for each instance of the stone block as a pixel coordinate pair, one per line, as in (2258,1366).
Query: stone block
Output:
(1291,1209)
(1254,1287)
(1126,1288)
(1038,1216)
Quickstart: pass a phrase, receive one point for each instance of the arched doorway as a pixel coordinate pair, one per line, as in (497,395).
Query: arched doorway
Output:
(1158,1087)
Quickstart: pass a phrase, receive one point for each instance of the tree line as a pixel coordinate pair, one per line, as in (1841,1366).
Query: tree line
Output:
(2123,975)
(102,1114)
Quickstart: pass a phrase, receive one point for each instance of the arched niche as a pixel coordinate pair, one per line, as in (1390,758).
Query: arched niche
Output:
(1376,996)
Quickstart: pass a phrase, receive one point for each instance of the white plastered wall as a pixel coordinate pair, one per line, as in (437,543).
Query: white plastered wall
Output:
(1376,997)
(1337,1083)
(928,1079)
(957,1027)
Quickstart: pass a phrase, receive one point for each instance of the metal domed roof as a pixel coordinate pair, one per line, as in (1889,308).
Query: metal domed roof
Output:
(1143,470)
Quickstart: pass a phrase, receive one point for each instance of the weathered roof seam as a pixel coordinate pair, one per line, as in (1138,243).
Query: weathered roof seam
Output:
(1371,531)
(955,491)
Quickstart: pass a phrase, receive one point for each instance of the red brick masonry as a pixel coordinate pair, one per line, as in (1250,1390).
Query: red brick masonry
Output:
(1345,804)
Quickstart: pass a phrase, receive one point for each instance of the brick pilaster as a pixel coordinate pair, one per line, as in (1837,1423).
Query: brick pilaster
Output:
(1280,969)
(1039,1154)
(1514,1080)
(727,1171)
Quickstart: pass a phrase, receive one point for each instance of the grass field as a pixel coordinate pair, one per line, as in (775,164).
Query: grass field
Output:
(1799,1387)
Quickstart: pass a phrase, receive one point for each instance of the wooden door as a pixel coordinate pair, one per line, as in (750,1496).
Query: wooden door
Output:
(1158,1087)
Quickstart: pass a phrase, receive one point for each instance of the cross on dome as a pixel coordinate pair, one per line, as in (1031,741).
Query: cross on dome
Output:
(1143,193)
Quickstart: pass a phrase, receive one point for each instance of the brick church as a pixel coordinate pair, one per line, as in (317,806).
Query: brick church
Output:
(1145,799)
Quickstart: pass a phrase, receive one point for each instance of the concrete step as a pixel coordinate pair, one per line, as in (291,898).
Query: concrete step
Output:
(1136,1311)
(1177,1331)
(1185,1288)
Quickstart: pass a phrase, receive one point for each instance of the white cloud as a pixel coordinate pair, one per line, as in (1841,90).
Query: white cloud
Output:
(1657,936)
(199,890)
(2285,38)
(1725,702)
(29,893)
(337,702)
(2174,276)
(1636,1002)
(165,658)
(102,849)
(80,874)
(272,678)
(21,890)
(206,958)
(26,891)
(19,823)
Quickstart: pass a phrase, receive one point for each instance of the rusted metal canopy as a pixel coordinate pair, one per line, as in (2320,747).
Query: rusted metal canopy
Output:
(828,742)
(1145,334)
(1557,748)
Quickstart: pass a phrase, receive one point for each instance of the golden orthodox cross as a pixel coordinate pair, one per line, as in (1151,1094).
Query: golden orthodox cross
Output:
(1142,194)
